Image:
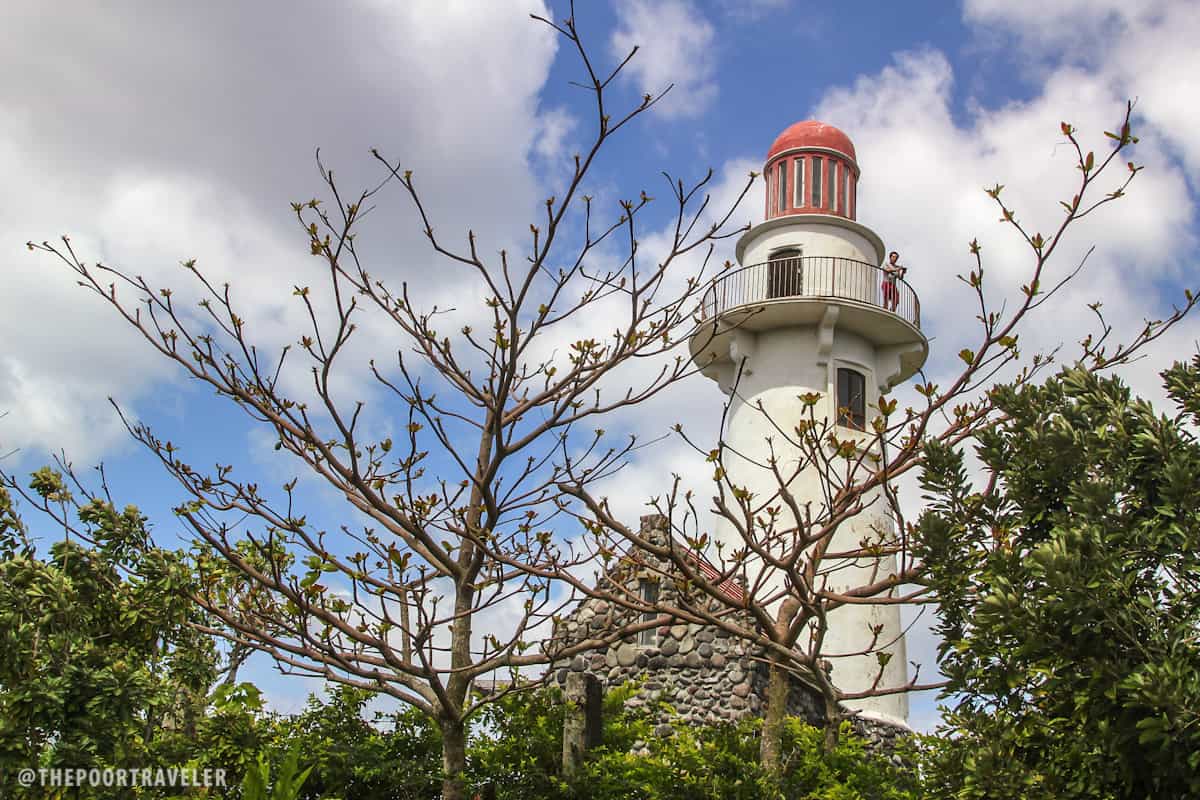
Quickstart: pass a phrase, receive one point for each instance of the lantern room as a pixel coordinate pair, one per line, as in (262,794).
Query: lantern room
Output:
(811,169)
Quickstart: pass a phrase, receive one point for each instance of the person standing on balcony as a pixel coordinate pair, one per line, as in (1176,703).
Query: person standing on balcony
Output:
(891,272)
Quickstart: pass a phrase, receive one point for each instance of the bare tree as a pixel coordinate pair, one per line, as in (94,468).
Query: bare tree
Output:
(457,517)
(788,545)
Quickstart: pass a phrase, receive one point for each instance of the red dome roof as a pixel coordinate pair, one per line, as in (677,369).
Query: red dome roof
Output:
(811,133)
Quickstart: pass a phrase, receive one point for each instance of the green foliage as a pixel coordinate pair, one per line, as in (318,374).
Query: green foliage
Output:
(289,779)
(518,745)
(346,756)
(233,732)
(520,751)
(517,748)
(1070,596)
(721,762)
(97,668)
(354,759)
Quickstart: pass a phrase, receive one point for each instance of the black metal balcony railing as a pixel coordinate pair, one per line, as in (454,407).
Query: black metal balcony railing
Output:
(809,276)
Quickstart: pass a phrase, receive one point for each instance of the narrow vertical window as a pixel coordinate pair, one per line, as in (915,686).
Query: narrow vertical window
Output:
(844,201)
(799,200)
(818,166)
(851,199)
(782,180)
(833,185)
(648,590)
(851,399)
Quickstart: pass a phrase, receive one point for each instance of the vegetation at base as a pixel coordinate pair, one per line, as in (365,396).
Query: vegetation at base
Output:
(521,752)
(517,749)
(286,783)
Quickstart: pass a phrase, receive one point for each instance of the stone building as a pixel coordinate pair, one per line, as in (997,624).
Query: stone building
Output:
(687,674)
(705,675)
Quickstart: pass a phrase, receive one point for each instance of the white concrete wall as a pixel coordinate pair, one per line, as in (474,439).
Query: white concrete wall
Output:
(783,363)
(814,239)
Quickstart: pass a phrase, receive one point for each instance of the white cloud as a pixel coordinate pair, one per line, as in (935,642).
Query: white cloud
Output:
(753,10)
(1064,21)
(1144,51)
(677,47)
(158,137)
(554,127)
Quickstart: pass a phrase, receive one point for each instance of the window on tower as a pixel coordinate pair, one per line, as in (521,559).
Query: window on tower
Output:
(818,166)
(799,201)
(782,181)
(648,591)
(833,185)
(844,203)
(851,399)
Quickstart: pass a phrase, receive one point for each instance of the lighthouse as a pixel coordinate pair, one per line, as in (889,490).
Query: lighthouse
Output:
(806,312)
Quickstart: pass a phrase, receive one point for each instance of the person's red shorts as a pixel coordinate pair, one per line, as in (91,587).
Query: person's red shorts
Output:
(890,293)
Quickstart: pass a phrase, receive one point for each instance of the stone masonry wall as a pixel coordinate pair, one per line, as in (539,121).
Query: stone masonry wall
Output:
(702,673)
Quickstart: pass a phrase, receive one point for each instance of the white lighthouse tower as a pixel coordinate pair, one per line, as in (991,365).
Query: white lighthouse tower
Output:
(805,313)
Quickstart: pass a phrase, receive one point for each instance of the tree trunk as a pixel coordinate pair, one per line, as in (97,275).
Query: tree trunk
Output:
(458,685)
(833,721)
(458,682)
(771,747)
(454,759)
(238,654)
(779,686)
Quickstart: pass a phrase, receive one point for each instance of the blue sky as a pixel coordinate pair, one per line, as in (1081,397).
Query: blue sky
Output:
(154,135)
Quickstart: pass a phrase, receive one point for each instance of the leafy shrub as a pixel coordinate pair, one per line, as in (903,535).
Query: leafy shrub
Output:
(721,761)
(392,756)
(287,782)
(520,751)
(518,745)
